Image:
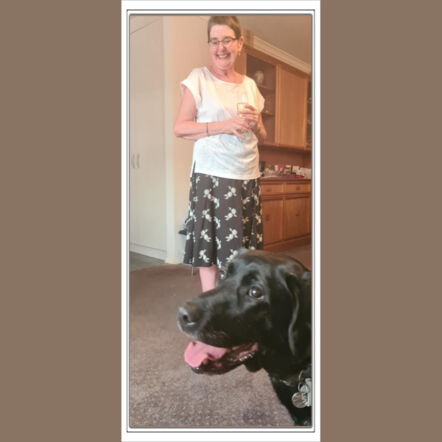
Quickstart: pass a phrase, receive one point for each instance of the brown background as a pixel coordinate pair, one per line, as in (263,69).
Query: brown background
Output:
(61,220)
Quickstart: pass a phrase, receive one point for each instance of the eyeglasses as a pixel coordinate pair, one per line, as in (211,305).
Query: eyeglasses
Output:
(225,41)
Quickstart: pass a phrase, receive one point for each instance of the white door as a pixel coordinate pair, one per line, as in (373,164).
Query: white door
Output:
(146,131)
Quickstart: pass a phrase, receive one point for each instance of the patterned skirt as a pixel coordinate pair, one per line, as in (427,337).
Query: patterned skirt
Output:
(224,216)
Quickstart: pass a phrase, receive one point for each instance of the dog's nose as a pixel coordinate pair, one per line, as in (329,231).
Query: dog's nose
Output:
(189,314)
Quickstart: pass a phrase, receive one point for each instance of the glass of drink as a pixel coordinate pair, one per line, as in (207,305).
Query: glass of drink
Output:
(240,107)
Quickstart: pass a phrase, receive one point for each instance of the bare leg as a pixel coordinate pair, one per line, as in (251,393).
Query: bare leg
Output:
(208,277)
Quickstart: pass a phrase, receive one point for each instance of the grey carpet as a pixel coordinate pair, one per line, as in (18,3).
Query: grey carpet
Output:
(163,391)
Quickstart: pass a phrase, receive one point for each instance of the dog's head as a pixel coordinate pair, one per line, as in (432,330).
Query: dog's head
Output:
(260,308)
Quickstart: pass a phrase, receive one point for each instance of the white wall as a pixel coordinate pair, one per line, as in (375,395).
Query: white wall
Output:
(186,48)
(163,51)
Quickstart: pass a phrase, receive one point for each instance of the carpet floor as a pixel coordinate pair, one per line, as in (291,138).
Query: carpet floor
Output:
(163,391)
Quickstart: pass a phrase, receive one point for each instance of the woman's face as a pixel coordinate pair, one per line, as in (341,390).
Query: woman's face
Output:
(223,56)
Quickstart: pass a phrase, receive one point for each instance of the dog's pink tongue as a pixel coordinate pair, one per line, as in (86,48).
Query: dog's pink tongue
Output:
(196,352)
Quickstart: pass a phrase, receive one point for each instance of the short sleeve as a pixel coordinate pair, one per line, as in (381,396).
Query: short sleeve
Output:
(192,82)
(259,100)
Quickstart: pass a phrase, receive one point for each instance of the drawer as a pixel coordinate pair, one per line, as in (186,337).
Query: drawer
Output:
(297,188)
(272,189)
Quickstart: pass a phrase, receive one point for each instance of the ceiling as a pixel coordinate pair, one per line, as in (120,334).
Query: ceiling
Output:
(291,33)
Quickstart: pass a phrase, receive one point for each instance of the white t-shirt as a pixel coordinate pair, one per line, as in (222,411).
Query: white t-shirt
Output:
(223,155)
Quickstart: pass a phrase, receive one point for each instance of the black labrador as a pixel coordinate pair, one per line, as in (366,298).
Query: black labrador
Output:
(259,315)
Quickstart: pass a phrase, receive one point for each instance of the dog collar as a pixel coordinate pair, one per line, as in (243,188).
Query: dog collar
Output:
(303,397)
(293,380)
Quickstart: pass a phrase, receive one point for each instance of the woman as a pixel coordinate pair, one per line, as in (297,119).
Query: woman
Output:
(224,201)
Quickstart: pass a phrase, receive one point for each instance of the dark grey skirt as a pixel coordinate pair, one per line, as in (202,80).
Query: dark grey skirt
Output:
(224,216)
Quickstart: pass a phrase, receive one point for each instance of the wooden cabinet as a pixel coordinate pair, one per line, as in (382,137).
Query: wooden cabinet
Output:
(250,62)
(286,214)
(286,204)
(285,90)
(272,213)
(295,221)
(291,105)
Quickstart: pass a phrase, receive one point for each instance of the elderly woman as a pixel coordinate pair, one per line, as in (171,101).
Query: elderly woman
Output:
(224,200)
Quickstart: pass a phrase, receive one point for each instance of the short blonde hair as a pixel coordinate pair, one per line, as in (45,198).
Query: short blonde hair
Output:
(229,20)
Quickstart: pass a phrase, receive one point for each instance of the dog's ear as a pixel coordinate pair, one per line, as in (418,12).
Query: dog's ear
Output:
(293,285)
(241,251)
(299,330)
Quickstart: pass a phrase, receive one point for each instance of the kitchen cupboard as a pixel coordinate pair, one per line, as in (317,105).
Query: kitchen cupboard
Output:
(273,212)
(291,102)
(286,203)
(295,217)
(251,62)
(285,90)
(286,213)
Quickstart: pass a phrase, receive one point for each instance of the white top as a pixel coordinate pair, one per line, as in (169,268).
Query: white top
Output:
(223,155)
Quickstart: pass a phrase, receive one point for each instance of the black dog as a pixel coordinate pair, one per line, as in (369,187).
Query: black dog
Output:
(258,315)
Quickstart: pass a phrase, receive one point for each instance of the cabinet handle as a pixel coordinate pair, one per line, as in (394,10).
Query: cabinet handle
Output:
(267,217)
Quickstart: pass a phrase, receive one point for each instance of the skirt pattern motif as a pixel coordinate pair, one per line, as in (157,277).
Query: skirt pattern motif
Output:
(224,216)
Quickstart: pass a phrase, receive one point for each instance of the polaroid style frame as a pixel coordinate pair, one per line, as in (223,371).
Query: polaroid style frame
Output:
(140,7)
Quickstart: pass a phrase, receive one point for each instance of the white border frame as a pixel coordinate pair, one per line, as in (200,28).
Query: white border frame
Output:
(236,7)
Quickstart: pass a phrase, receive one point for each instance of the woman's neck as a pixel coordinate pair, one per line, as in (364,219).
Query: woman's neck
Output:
(226,74)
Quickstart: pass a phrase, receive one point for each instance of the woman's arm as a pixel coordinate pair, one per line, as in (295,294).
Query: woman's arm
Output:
(259,130)
(186,127)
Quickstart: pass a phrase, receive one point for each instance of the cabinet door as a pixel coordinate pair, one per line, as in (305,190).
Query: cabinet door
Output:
(295,217)
(272,219)
(241,63)
(291,108)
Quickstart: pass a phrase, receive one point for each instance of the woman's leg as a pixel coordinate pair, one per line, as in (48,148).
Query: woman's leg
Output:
(208,277)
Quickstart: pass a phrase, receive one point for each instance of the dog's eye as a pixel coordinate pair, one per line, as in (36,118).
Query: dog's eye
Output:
(255,292)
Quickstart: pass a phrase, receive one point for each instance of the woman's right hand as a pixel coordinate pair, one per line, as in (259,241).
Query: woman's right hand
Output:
(236,125)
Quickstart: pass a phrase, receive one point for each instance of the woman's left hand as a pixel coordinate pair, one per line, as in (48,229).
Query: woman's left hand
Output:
(251,115)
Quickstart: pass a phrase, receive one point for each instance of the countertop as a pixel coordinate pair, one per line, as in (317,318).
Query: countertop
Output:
(290,178)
